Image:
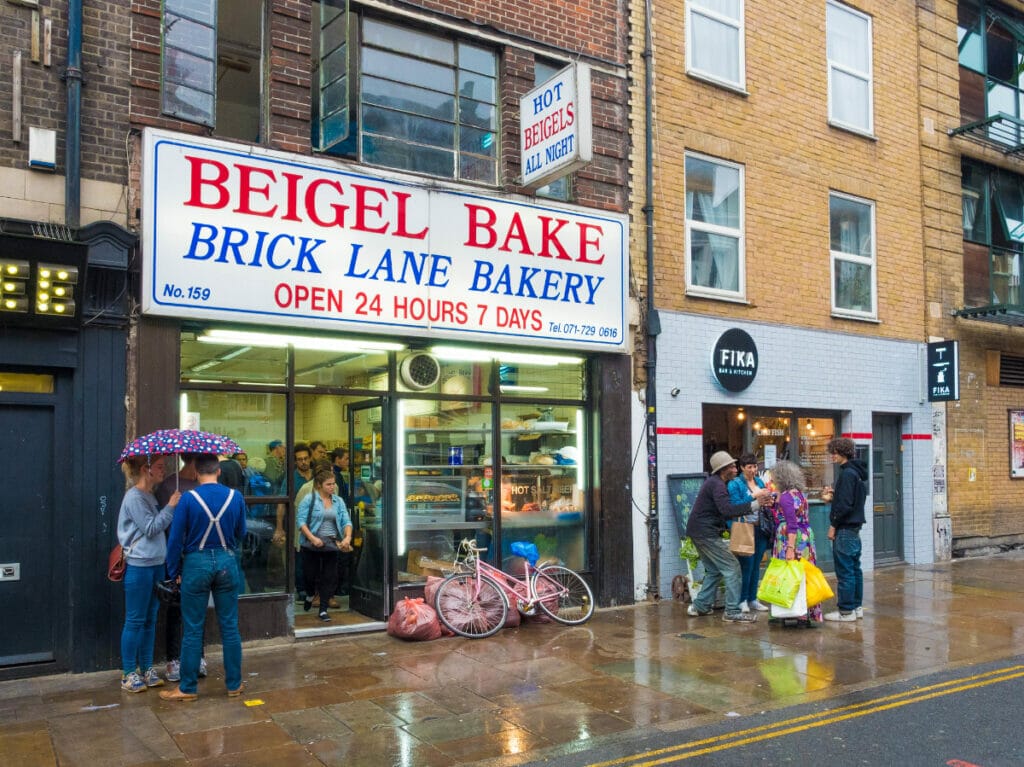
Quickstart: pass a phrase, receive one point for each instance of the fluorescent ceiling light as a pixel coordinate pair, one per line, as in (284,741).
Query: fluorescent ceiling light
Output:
(280,341)
(513,387)
(483,355)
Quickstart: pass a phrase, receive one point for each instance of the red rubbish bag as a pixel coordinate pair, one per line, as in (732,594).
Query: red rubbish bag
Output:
(415,620)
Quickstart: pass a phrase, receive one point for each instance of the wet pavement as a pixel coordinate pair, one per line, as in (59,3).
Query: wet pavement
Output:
(525,694)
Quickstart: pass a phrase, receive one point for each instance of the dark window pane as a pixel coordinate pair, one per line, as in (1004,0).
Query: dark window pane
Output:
(333,66)
(188,104)
(478,142)
(399,154)
(401,125)
(477,87)
(189,36)
(402,69)
(477,59)
(408,98)
(478,114)
(408,41)
(183,68)
(968,34)
(473,168)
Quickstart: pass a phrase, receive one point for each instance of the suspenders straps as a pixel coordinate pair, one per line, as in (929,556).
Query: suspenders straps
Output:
(214,521)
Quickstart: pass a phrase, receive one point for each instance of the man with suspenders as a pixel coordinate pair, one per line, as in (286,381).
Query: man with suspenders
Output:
(208,527)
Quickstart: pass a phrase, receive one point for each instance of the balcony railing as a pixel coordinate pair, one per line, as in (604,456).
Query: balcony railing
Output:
(1005,302)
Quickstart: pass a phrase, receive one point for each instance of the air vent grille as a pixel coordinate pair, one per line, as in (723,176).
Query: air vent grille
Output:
(1011,371)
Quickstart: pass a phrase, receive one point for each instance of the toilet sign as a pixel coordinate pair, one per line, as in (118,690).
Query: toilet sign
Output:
(943,371)
(556,130)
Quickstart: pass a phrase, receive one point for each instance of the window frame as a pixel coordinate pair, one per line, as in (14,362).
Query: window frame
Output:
(739,234)
(210,119)
(838,255)
(353,145)
(739,24)
(868,76)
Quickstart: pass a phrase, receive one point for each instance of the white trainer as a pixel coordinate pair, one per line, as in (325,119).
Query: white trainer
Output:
(860,612)
(838,615)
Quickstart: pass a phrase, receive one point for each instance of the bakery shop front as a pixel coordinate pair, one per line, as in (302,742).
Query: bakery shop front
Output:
(459,359)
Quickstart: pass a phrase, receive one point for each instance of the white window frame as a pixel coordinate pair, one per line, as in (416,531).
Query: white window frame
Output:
(738,233)
(696,6)
(834,66)
(839,255)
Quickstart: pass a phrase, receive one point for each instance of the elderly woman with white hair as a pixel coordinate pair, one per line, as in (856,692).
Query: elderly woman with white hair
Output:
(793,536)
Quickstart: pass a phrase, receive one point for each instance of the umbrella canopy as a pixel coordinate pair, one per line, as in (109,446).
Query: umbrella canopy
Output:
(171,441)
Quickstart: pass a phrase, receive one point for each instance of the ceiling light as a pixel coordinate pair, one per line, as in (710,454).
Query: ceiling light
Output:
(511,387)
(458,353)
(280,341)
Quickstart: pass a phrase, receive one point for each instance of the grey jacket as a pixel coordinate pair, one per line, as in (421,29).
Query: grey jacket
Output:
(140,528)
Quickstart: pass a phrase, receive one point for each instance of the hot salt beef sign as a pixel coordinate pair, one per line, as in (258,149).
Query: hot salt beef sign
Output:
(245,234)
(734,360)
(556,129)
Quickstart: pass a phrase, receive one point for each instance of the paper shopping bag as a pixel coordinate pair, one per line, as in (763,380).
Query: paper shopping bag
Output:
(781,582)
(741,539)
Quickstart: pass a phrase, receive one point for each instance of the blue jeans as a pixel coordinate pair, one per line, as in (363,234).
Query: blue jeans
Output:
(719,563)
(140,608)
(846,555)
(204,572)
(751,567)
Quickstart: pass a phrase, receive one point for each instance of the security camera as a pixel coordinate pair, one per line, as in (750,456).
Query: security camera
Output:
(675,391)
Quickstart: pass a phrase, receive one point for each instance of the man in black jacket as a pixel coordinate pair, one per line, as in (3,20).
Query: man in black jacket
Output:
(705,527)
(845,519)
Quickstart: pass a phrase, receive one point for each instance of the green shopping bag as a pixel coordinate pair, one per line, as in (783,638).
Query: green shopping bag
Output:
(781,582)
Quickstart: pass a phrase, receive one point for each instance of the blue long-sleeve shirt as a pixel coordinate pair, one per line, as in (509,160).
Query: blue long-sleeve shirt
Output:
(191,522)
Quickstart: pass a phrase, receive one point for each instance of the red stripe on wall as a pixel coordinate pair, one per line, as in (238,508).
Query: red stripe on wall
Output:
(858,435)
(678,430)
(917,436)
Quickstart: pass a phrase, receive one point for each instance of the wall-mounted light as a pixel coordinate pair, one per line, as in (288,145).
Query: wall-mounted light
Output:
(14,286)
(740,415)
(809,425)
(675,391)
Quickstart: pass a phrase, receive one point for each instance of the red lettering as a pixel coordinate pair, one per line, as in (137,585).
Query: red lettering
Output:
(217,183)
(362,206)
(246,190)
(317,304)
(311,212)
(301,294)
(292,190)
(549,237)
(516,231)
(401,201)
(283,290)
(586,243)
(476,224)
(569,111)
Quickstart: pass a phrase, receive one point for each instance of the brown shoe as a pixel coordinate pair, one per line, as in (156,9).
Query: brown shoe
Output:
(236,693)
(177,694)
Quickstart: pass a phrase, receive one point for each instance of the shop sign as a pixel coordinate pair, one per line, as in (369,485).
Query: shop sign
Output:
(734,360)
(556,130)
(943,371)
(246,234)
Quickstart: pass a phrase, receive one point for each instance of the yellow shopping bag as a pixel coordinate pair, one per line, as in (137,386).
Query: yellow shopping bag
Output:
(781,582)
(818,589)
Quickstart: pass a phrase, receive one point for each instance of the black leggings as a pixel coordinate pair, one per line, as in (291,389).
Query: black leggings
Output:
(320,571)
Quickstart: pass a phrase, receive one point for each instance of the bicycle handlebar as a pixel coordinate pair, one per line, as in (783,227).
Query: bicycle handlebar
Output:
(469,545)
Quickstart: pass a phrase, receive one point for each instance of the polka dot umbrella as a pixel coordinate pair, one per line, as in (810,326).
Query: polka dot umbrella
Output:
(174,441)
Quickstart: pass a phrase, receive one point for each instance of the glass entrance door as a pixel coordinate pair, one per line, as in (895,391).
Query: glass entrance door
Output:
(367,496)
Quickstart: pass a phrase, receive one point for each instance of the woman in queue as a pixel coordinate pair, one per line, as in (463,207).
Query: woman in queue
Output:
(793,536)
(140,531)
(741,490)
(325,529)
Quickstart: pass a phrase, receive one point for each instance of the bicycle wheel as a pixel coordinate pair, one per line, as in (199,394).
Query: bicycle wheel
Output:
(563,595)
(470,609)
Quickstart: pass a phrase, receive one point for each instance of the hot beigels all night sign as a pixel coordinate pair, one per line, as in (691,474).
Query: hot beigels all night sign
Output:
(245,234)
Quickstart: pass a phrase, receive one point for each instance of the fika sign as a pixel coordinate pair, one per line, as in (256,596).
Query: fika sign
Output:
(734,360)
(556,130)
(943,371)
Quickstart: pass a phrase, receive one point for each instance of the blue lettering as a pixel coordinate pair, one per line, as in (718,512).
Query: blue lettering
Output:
(306,255)
(551,280)
(593,283)
(201,234)
(527,273)
(482,271)
(260,237)
(439,271)
(273,246)
(234,239)
(573,282)
(356,247)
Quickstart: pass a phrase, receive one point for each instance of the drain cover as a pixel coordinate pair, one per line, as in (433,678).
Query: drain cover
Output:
(691,636)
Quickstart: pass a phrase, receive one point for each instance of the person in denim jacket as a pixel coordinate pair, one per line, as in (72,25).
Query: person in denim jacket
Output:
(325,528)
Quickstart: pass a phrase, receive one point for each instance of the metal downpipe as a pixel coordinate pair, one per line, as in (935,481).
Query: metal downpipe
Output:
(73,130)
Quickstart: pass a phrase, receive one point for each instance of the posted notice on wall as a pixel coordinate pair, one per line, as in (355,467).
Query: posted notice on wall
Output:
(243,234)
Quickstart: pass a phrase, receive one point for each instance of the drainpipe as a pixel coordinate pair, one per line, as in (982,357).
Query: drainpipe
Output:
(73,130)
(653,321)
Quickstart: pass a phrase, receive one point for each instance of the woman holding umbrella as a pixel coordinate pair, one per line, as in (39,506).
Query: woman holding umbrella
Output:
(140,530)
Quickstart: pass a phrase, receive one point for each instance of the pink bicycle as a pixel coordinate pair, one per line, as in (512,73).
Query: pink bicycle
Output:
(474,601)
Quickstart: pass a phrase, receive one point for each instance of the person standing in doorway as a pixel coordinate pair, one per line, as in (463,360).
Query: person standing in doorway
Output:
(206,531)
(705,528)
(845,519)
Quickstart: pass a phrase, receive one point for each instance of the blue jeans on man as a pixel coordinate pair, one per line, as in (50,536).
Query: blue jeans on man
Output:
(140,608)
(211,571)
(850,579)
(751,567)
(719,563)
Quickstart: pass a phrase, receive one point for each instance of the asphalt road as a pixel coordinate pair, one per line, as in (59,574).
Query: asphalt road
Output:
(970,717)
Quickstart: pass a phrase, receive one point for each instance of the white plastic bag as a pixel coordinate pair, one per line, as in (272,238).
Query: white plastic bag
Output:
(799,608)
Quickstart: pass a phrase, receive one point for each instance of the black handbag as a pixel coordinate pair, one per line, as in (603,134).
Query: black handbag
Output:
(766,522)
(168,592)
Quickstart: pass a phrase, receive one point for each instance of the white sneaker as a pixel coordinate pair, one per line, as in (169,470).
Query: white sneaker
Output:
(759,606)
(202,667)
(173,671)
(859,611)
(744,608)
(693,612)
(840,616)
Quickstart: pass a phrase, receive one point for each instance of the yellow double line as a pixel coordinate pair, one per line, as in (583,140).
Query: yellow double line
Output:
(810,721)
